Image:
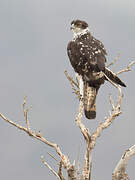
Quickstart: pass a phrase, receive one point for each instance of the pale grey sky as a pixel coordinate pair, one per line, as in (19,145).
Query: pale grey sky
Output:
(33,39)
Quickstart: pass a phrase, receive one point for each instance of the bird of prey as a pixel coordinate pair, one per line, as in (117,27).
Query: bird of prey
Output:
(88,56)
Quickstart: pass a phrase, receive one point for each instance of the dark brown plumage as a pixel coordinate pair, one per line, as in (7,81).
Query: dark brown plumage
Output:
(88,56)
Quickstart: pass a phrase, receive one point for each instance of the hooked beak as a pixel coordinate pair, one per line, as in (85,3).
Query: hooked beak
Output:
(72,27)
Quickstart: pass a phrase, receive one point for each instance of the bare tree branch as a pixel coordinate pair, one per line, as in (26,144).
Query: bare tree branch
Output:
(74,85)
(119,172)
(114,61)
(127,69)
(114,84)
(52,156)
(86,174)
(25,112)
(116,111)
(49,167)
(71,171)
(85,132)
(90,139)
(60,171)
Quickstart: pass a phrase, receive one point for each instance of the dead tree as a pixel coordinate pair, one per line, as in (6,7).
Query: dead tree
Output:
(119,172)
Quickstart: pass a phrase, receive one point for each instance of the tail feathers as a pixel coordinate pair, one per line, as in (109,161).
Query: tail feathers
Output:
(113,77)
(90,94)
(90,114)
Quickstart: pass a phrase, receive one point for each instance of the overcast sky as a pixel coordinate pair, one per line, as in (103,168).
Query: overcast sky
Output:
(33,39)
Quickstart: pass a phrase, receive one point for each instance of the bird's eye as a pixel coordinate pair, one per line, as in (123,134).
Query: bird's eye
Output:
(78,24)
(73,22)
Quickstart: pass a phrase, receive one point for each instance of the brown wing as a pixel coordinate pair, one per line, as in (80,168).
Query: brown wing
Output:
(77,59)
(99,53)
(87,55)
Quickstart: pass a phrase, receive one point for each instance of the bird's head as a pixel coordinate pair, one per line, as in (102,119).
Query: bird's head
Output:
(79,27)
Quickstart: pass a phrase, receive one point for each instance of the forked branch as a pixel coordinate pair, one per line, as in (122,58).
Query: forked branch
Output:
(71,171)
(86,173)
(90,139)
(116,111)
(127,69)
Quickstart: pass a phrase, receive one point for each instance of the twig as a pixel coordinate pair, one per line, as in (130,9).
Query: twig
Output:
(74,85)
(71,171)
(60,166)
(52,156)
(34,135)
(25,112)
(115,112)
(115,85)
(119,172)
(111,102)
(90,139)
(127,69)
(114,61)
(79,123)
(49,167)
